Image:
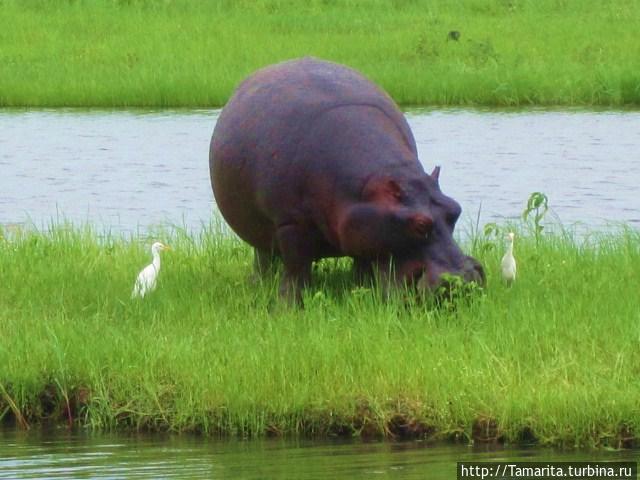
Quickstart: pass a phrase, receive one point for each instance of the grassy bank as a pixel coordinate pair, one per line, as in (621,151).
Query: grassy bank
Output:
(114,53)
(554,359)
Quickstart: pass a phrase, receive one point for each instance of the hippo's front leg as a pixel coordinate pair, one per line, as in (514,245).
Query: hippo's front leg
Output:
(384,273)
(362,270)
(296,248)
(264,265)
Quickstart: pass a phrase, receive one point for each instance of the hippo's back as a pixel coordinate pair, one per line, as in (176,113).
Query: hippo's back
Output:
(256,160)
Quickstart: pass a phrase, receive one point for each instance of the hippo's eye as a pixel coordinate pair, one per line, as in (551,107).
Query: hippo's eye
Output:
(422,225)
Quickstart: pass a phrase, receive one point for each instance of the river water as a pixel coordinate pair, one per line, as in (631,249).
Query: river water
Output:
(127,171)
(66,455)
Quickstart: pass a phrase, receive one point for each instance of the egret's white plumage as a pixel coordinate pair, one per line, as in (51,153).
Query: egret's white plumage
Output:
(509,261)
(146,281)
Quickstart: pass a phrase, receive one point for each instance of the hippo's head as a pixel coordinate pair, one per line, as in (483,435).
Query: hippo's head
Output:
(432,216)
(411,219)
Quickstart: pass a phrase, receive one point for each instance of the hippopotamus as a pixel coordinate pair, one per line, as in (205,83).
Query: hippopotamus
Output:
(309,159)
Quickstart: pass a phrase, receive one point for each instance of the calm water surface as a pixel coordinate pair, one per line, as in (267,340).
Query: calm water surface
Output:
(127,171)
(64,455)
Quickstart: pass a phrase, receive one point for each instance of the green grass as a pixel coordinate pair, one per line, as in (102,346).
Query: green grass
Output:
(555,358)
(123,53)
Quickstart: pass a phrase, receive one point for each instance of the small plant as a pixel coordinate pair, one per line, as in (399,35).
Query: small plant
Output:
(453,289)
(490,233)
(492,229)
(538,205)
(319,300)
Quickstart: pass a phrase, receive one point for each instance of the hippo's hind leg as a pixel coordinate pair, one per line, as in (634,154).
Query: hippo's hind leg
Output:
(296,245)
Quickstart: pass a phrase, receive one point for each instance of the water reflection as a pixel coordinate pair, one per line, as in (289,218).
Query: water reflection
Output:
(126,170)
(66,455)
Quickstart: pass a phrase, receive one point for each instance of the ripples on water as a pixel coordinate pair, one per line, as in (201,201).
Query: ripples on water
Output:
(126,170)
(65,455)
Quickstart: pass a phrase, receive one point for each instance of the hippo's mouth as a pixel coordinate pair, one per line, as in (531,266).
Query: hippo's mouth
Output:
(473,271)
(449,283)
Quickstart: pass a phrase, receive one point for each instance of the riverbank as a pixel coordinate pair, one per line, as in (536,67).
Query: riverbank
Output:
(192,54)
(552,360)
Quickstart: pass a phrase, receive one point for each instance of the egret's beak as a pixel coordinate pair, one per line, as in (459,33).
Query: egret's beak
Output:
(166,247)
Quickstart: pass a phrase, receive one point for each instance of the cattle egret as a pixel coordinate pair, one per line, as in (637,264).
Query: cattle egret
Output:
(509,262)
(146,281)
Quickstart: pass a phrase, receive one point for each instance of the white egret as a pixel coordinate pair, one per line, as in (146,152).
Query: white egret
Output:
(509,261)
(146,281)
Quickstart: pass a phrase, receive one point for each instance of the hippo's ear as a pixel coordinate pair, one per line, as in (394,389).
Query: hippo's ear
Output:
(436,174)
